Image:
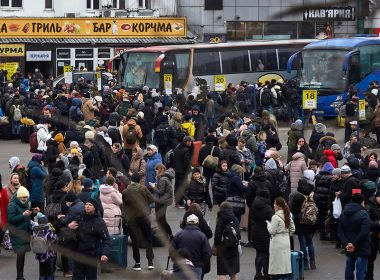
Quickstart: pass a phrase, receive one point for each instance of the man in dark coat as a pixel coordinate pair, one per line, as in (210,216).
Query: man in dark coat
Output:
(208,149)
(230,154)
(350,183)
(354,232)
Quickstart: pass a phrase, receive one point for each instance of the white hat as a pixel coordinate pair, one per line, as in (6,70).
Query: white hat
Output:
(354,122)
(192,219)
(375,91)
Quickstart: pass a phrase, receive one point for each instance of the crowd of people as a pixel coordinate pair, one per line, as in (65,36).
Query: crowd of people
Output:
(105,163)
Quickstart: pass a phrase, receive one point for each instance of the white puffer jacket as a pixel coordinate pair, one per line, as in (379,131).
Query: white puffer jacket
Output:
(43,136)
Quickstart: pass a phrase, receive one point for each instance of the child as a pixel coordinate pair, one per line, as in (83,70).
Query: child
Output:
(46,231)
(198,190)
(313,165)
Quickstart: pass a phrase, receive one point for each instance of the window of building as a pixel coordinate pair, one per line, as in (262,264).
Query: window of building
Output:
(206,62)
(280,30)
(235,61)
(254,30)
(142,4)
(48,4)
(11,3)
(118,4)
(213,5)
(306,30)
(263,59)
(235,30)
(93,4)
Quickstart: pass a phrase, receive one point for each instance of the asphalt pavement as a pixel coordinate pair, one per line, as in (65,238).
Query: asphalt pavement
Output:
(330,263)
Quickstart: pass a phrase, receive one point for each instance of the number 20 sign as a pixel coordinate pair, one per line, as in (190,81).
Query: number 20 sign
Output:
(309,99)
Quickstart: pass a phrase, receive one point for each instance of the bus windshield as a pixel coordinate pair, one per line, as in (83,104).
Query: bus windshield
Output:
(322,69)
(139,70)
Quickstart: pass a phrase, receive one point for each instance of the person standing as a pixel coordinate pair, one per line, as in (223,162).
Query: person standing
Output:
(154,158)
(280,228)
(354,234)
(4,201)
(13,185)
(37,176)
(136,201)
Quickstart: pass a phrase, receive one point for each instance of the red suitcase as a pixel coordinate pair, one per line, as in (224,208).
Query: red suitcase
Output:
(197,145)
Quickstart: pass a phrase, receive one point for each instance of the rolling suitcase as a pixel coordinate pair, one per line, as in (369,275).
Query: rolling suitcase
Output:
(197,145)
(118,251)
(298,269)
(25,132)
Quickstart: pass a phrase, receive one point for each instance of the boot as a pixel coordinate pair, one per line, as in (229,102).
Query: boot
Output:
(42,278)
(312,265)
(258,277)
(306,265)
(20,276)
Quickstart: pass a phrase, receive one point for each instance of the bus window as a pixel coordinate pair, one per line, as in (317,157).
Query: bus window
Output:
(182,67)
(369,60)
(263,60)
(206,62)
(235,61)
(354,70)
(283,57)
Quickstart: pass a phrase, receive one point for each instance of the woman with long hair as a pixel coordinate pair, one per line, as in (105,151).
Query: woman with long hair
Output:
(75,186)
(280,228)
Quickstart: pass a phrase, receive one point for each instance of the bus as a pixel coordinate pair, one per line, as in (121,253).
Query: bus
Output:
(333,66)
(237,61)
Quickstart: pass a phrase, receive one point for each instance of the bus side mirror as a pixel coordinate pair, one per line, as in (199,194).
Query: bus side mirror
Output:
(291,60)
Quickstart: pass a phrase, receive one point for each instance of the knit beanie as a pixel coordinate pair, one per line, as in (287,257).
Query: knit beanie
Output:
(42,219)
(58,138)
(94,203)
(135,177)
(87,183)
(89,135)
(22,192)
(357,198)
(336,172)
(373,164)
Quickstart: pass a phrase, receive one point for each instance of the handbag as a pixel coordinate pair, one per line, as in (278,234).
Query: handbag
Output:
(237,203)
(7,241)
(210,161)
(66,235)
(337,208)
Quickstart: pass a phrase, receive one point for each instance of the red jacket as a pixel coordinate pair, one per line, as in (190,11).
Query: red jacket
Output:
(4,201)
(331,156)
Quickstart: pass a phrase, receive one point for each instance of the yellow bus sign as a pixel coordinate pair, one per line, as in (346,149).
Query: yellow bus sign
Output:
(362,110)
(168,83)
(220,83)
(309,99)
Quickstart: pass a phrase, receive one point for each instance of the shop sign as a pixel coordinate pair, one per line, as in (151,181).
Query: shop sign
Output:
(11,67)
(92,27)
(12,49)
(84,53)
(38,56)
(341,14)
(63,53)
(120,50)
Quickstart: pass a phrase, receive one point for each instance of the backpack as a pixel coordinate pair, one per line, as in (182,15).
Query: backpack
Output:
(38,242)
(161,136)
(266,97)
(169,159)
(131,137)
(17,115)
(123,108)
(350,109)
(231,235)
(309,212)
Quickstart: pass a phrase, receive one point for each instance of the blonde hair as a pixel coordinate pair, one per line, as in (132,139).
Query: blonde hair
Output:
(74,186)
(160,169)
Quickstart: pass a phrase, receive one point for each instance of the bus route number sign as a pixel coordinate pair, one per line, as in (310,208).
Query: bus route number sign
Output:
(362,110)
(220,83)
(68,73)
(309,99)
(168,83)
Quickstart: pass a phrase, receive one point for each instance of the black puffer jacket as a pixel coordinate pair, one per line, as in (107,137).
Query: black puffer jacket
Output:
(203,225)
(182,158)
(372,174)
(374,214)
(259,182)
(230,155)
(198,192)
(218,184)
(336,186)
(261,211)
(52,153)
(224,217)
(51,179)
(322,189)
(304,189)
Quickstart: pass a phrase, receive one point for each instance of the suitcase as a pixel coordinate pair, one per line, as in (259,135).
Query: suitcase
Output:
(197,145)
(244,219)
(6,132)
(298,268)
(118,251)
(25,132)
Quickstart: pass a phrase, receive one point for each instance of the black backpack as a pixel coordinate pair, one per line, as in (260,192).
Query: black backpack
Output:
(161,136)
(266,97)
(350,109)
(231,235)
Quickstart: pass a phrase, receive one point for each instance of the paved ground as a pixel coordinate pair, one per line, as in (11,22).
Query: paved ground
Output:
(330,262)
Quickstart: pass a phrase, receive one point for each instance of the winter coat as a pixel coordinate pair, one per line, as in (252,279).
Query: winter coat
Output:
(198,191)
(182,158)
(331,156)
(203,153)
(259,182)
(43,136)
(372,174)
(314,139)
(196,243)
(250,140)
(322,189)
(136,200)
(261,149)
(12,190)
(218,183)
(304,189)
(138,131)
(54,176)
(73,135)
(260,212)
(373,209)
(293,136)
(4,201)
(150,173)
(304,150)
(350,183)
(231,155)
(296,168)
(163,193)
(279,246)
(335,186)
(76,209)
(138,164)
(189,127)
(37,176)
(234,185)
(52,153)
(93,238)
(19,225)
(325,143)
(111,200)
(354,227)
(88,110)
(376,117)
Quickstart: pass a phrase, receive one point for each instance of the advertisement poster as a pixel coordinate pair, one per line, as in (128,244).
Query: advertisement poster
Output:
(324,30)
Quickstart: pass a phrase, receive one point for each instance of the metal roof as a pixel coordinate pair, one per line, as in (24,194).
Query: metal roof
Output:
(163,40)
(344,43)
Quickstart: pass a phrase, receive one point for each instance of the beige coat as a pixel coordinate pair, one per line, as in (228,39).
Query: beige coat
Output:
(138,134)
(279,246)
(88,110)
(138,164)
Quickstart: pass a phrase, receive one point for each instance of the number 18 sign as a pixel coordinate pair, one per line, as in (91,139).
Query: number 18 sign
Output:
(309,99)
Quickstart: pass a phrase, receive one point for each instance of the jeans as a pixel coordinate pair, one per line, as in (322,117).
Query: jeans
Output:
(358,263)
(83,271)
(306,245)
(16,128)
(211,122)
(47,269)
(198,272)
(140,232)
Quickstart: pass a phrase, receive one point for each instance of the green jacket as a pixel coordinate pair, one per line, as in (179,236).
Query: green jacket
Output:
(19,225)
(136,200)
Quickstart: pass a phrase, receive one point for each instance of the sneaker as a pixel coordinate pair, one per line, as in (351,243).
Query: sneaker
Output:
(68,274)
(136,267)
(150,266)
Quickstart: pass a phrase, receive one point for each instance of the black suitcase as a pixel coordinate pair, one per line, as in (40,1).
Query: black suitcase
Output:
(6,132)
(25,132)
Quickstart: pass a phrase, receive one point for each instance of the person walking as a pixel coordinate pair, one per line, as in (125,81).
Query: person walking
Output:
(154,158)
(354,234)
(218,182)
(136,201)
(280,228)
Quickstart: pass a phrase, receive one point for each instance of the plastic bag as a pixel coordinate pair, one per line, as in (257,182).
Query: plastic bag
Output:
(337,208)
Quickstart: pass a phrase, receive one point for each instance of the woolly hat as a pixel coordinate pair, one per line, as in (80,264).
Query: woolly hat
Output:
(320,128)
(81,123)
(58,138)
(357,198)
(237,168)
(355,148)
(42,219)
(70,197)
(87,183)
(309,175)
(196,170)
(37,157)
(153,148)
(231,140)
(192,220)
(335,147)
(140,115)
(94,203)
(297,125)
(336,172)
(345,169)
(89,135)
(135,177)
(373,164)
(13,162)
(22,192)
(328,167)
